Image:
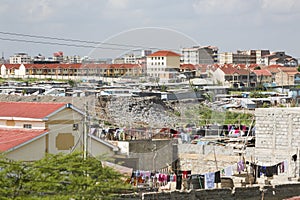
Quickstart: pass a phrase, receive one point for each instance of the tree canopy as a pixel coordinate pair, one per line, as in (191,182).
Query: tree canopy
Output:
(61,176)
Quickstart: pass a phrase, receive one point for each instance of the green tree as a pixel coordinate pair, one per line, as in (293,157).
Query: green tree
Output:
(59,177)
(72,83)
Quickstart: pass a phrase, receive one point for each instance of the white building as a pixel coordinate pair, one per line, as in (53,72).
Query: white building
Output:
(163,65)
(20,58)
(130,59)
(200,55)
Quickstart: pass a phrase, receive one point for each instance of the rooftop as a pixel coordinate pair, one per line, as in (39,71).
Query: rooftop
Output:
(35,110)
(11,138)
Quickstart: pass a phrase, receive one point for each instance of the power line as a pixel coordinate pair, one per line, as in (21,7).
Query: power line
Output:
(62,44)
(74,40)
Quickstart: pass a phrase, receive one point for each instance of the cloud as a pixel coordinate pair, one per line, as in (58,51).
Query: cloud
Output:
(117,4)
(223,7)
(286,7)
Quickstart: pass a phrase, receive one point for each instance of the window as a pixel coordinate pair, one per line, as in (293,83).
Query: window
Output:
(27,125)
(75,127)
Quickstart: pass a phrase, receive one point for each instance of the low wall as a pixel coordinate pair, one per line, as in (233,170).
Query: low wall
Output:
(276,192)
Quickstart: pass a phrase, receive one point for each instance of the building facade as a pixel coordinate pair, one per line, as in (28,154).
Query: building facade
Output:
(20,58)
(29,131)
(278,138)
(244,57)
(200,55)
(163,66)
(67,71)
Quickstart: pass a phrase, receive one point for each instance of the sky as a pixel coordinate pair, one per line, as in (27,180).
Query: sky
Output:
(124,26)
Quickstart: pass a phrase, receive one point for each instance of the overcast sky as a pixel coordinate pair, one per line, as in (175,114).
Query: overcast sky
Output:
(167,24)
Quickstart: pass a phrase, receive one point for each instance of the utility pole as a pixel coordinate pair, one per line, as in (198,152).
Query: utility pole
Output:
(85,132)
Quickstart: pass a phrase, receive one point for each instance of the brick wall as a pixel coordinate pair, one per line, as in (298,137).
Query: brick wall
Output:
(278,137)
(276,192)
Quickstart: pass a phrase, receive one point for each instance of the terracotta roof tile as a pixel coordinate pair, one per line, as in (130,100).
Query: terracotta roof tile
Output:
(12,66)
(262,72)
(28,109)
(188,66)
(10,138)
(164,53)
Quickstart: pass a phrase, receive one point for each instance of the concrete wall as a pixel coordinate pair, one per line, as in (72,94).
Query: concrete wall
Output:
(152,155)
(278,137)
(202,159)
(29,152)
(62,123)
(276,192)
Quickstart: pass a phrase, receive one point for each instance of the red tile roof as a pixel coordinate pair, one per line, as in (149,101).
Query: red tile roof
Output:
(164,53)
(10,138)
(80,66)
(28,109)
(231,69)
(12,66)
(262,72)
(188,66)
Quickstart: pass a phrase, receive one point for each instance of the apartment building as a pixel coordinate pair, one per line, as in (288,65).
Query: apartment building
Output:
(243,57)
(20,58)
(163,66)
(63,70)
(200,55)
(279,58)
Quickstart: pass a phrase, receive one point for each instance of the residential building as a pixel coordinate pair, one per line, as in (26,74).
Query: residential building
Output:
(163,66)
(188,70)
(241,57)
(233,76)
(259,56)
(279,58)
(72,59)
(200,55)
(58,56)
(287,76)
(29,131)
(20,58)
(129,59)
(244,57)
(262,76)
(62,70)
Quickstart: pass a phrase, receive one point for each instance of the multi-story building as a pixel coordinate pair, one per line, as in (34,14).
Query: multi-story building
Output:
(243,57)
(279,58)
(129,59)
(58,56)
(62,70)
(72,59)
(163,66)
(20,58)
(259,56)
(200,55)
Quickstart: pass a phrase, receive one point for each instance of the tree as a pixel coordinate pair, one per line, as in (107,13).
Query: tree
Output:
(72,83)
(59,177)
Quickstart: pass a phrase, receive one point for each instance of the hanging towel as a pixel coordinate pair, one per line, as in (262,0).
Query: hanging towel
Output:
(240,166)
(285,164)
(228,171)
(217,177)
(209,180)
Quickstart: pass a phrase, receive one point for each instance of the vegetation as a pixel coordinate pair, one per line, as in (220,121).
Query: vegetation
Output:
(72,83)
(209,116)
(59,177)
(256,94)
